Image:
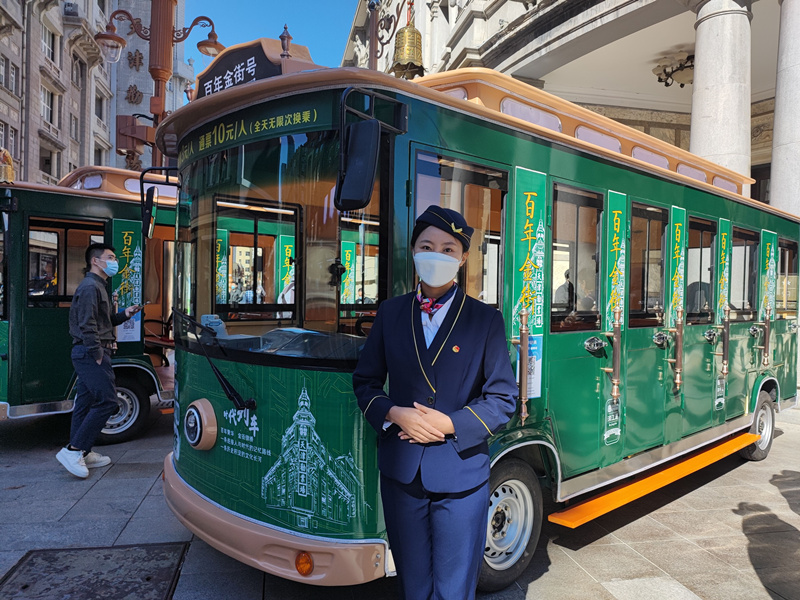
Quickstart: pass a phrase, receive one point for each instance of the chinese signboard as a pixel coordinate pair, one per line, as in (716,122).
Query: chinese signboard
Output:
(723,267)
(284,271)
(616,234)
(528,264)
(529,249)
(236,67)
(676,263)
(126,285)
(769,273)
(237,130)
(348,277)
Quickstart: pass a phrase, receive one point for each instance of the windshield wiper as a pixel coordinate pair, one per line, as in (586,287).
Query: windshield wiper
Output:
(227,387)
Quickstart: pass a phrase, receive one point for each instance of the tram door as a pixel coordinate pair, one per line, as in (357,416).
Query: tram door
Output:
(648,381)
(576,347)
(700,366)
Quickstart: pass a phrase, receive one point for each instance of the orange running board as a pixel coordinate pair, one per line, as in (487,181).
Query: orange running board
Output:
(588,510)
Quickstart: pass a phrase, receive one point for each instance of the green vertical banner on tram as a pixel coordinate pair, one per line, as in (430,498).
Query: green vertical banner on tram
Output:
(221,266)
(528,232)
(348,277)
(676,263)
(769,274)
(284,261)
(723,267)
(127,284)
(616,234)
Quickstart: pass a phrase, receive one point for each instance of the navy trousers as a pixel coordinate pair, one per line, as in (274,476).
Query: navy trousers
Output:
(437,540)
(95,398)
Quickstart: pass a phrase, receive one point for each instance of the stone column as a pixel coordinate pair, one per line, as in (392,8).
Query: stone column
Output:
(785,173)
(721,97)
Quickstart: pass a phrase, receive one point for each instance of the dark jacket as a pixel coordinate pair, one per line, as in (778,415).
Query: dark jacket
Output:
(466,374)
(90,320)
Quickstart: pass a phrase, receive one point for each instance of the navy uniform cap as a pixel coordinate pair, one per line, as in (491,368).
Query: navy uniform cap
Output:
(447,220)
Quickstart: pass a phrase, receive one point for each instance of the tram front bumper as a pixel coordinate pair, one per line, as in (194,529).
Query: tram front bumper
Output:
(268,549)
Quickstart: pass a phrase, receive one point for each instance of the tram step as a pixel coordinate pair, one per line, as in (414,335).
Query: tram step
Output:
(588,510)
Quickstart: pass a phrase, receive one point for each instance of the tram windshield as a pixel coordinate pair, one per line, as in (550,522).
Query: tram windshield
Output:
(267,261)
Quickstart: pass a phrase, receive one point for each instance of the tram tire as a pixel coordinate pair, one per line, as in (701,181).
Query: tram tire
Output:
(132,416)
(764,424)
(515,493)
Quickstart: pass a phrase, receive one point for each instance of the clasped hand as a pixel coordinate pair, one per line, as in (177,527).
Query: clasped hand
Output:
(421,425)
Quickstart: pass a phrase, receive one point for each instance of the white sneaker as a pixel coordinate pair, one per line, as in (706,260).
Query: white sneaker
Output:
(73,462)
(95,459)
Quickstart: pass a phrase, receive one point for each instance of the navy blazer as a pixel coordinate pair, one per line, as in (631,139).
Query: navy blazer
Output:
(466,374)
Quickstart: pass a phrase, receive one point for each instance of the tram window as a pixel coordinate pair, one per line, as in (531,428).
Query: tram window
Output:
(477,192)
(574,269)
(646,295)
(786,292)
(254,260)
(744,274)
(700,271)
(56,259)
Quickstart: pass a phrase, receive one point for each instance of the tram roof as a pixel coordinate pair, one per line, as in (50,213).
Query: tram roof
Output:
(489,95)
(110,184)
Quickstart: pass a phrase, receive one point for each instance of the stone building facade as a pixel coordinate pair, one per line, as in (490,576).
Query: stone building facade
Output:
(133,85)
(735,106)
(58,99)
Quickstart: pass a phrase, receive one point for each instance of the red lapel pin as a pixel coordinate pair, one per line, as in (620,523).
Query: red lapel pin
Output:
(456,348)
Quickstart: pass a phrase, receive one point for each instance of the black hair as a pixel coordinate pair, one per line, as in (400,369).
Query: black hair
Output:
(95,251)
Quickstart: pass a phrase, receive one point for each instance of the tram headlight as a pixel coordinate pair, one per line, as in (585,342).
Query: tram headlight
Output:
(200,425)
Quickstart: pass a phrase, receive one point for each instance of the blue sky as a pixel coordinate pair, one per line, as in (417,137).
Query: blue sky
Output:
(321,25)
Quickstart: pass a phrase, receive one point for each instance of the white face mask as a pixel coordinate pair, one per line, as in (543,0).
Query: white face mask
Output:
(436,269)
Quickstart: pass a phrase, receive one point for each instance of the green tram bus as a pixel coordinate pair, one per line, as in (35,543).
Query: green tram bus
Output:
(45,232)
(662,302)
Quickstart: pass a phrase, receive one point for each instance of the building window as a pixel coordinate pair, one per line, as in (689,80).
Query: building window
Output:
(74,127)
(78,71)
(49,162)
(3,68)
(101,4)
(13,77)
(98,155)
(760,189)
(48,105)
(48,43)
(99,101)
(11,144)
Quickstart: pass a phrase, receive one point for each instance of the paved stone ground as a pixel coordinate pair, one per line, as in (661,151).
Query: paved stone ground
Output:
(731,531)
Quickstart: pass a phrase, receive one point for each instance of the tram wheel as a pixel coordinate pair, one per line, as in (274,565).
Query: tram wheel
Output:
(763,424)
(132,414)
(513,526)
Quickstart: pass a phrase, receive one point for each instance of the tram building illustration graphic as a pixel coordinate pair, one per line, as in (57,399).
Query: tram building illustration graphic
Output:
(316,489)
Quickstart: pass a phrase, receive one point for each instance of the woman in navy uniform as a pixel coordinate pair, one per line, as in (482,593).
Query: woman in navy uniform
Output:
(451,387)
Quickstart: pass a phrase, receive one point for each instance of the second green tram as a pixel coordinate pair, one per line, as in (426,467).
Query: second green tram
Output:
(662,303)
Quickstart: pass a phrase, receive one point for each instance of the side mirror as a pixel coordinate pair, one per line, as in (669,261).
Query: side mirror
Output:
(358,165)
(149,210)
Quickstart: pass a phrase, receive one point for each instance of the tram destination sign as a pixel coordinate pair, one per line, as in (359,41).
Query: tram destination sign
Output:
(236,67)
(252,61)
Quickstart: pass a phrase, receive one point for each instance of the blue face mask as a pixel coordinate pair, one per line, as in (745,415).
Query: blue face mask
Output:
(111,268)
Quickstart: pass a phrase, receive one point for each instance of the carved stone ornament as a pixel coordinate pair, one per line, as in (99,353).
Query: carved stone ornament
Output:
(133,162)
(134,96)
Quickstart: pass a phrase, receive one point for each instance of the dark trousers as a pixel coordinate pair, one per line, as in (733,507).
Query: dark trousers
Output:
(95,398)
(437,540)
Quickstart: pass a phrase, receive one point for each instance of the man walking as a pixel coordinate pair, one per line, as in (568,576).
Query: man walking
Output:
(91,325)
